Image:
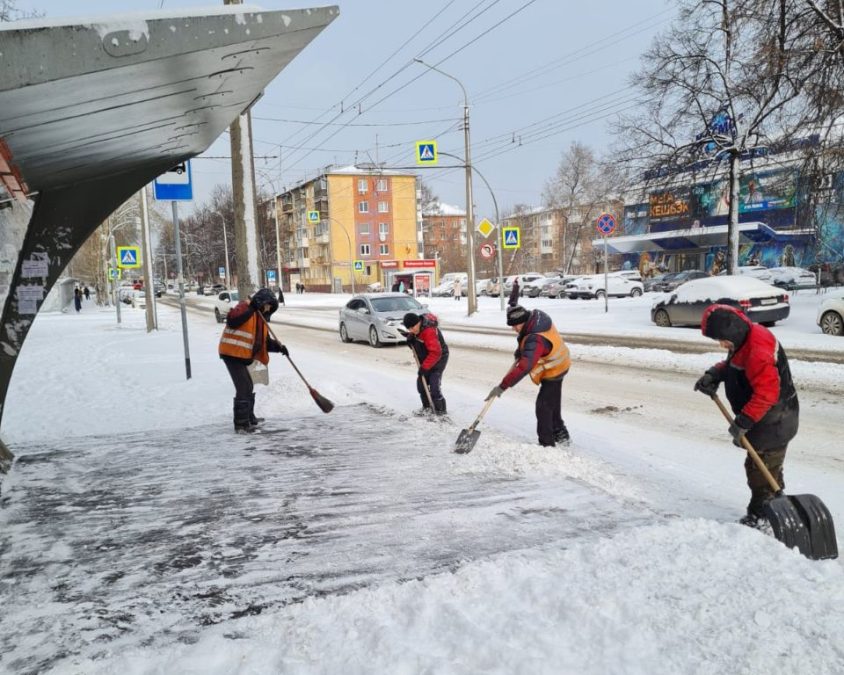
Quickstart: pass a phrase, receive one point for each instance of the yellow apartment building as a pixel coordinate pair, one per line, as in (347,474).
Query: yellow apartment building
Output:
(353,224)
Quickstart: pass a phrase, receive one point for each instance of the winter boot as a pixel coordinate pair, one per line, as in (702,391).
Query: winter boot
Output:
(254,421)
(242,408)
(439,406)
(754,520)
(562,437)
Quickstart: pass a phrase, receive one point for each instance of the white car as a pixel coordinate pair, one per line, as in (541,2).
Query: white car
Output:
(223,303)
(831,315)
(793,278)
(533,289)
(523,279)
(593,287)
(756,271)
(139,299)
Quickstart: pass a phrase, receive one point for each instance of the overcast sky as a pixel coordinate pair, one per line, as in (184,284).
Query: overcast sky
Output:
(552,73)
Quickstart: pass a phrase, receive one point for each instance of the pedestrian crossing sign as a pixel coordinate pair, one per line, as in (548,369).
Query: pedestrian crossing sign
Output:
(113,273)
(426,152)
(128,257)
(313,216)
(511,237)
(358,265)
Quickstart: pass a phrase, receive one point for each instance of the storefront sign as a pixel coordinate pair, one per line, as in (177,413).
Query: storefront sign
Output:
(418,263)
(388,264)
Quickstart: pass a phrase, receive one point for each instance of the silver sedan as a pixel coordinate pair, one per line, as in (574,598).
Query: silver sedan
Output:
(376,317)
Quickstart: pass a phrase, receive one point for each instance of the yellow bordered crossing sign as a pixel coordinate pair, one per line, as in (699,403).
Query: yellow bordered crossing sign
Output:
(128,257)
(512,238)
(426,153)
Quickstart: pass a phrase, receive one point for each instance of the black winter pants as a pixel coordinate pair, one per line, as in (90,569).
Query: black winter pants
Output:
(549,419)
(434,380)
(243,385)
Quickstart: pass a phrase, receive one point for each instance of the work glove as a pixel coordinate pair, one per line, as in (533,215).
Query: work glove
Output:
(495,392)
(284,351)
(739,428)
(708,383)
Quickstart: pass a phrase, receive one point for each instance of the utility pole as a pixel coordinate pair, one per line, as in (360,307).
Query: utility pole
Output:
(243,193)
(146,256)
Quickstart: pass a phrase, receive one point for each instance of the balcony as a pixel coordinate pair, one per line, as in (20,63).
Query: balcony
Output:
(302,242)
(303,263)
(323,238)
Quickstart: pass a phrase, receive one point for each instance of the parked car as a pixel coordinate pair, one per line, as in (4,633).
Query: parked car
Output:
(831,315)
(756,271)
(376,318)
(523,279)
(481,286)
(138,299)
(680,278)
(633,275)
(445,289)
(655,282)
(159,288)
(124,294)
(593,287)
(761,302)
(557,287)
(533,289)
(793,278)
(223,303)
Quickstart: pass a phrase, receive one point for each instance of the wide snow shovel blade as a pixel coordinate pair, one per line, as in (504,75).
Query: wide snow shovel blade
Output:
(468,437)
(798,521)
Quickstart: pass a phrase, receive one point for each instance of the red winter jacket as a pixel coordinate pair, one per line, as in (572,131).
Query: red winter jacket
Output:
(430,345)
(756,377)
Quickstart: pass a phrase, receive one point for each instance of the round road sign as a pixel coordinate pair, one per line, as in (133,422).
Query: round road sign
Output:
(605,224)
(487,251)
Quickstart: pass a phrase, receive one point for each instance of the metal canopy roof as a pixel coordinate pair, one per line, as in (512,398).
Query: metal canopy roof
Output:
(79,101)
(694,238)
(92,111)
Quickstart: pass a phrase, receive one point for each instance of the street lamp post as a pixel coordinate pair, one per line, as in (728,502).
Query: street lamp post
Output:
(225,249)
(351,250)
(470,212)
(275,222)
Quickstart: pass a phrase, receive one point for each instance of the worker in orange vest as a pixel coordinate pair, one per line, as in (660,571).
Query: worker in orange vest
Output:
(246,339)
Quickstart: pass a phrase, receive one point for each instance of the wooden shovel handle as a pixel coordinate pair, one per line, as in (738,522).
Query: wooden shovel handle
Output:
(747,446)
(482,413)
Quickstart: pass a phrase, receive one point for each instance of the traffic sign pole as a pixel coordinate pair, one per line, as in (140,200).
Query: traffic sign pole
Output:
(605,224)
(181,280)
(606,279)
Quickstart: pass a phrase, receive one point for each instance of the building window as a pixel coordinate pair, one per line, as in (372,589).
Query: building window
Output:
(364,249)
(385,249)
(384,229)
(363,207)
(364,228)
(383,207)
(381,185)
(362,188)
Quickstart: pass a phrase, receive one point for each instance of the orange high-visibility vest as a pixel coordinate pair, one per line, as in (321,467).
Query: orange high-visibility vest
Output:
(556,362)
(240,342)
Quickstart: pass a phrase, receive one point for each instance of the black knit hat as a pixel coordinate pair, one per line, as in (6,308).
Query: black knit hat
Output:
(410,320)
(264,296)
(722,322)
(517,315)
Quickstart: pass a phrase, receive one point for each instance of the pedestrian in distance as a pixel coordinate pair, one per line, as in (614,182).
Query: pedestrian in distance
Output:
(515,291)
(457,289)
(246,339)
(281,297)
(87,293)
(426,339)
(77,298)
(757,381)
(543,354)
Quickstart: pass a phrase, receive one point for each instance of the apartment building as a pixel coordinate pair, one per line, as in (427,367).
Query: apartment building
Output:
(354,223)
(444,236)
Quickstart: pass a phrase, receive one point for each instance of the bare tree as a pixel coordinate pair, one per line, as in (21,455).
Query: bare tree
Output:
(10,12)
(722,85)
(578,189)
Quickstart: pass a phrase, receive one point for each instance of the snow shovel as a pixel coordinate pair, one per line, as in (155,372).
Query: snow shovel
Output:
(468,437)
(798,521)
(424,382)
(324,404)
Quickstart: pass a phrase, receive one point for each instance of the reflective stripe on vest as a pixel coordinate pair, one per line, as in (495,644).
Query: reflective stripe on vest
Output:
(240,342)
(556,362)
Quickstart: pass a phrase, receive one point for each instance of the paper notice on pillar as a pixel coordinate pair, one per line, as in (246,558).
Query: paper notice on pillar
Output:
(28,299)
(37,267)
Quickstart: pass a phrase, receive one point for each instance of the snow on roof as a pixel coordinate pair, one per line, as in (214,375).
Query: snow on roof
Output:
(442,209)
(354,169)
(134,22)
(716,288)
